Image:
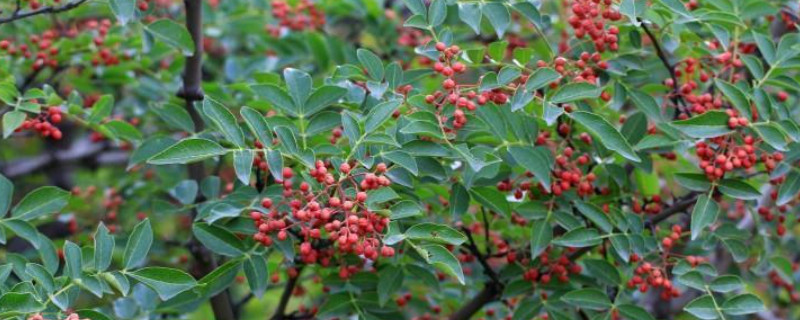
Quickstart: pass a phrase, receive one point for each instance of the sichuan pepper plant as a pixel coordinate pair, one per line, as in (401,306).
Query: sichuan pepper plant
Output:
(417,159)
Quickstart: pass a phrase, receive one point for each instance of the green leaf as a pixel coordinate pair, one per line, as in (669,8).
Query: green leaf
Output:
(693,181)
(459,200)
(633,9)
(122,130)
(166,282)
(702,307)
(704,214)
(256,270)
(743,304)
(437,13)
(589,298)
(443,259)
(6,192)
(739,189)
(603,271)
(416,6)
(103,248)
(541,235)
(11,121)
(579,237)
(789,188)
(299,84)
(372,63)
(727,283)
(595,215)
(175,116)
(772,134)
(101,109)
(630,311)
(537,160)
(277,97)
(41,276)
(243,164)
(403,159)
(287,138)
(405,209)
(645,102)
(498,16)
(575,91)
(19,302)
(470,13)
(275,163)
(337,302)
(39,202)
(736,97)
(123,10)
(540,78)
(72,260)
(138,245)
(606,134)
(693,279)
(224,120)
(492,199)
(379,114)
(321,98)
(187,151)
(435,233)
(218,240)
(390,280)
(173,34)
(707,125)
(257,124)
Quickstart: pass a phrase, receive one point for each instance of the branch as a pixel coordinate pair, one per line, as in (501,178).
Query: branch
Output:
(18,14)
(675,96)
(492,289)
(288,289)
(80,151)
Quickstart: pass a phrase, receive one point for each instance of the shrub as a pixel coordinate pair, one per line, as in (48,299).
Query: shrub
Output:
(575,159)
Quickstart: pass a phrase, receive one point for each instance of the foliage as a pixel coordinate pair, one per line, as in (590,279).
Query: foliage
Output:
(385,159)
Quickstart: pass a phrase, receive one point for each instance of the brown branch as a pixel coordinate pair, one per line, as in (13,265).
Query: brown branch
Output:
(675,96)
(492,289)
(288,289)
(18,14)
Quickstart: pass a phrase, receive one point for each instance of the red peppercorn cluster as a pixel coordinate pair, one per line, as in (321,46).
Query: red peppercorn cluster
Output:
(448,67)
(568,174)
(652,207)
(581,70)
(44,124)
(329,215)
(560,268)
(647,277)
(304,16)
(670,240)
(778,281)
(71,316)
(723,154)
(590,17)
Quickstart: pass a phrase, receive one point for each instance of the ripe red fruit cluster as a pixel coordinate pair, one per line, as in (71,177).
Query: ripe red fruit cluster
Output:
(647,277)
(560,268)
(71,316)
(778,281)
(44,123)
(723,154)
(568,174)
(448,67)
(652,207)
(670,240)
(304,16)
(329,220)
(589,17)
(581,70)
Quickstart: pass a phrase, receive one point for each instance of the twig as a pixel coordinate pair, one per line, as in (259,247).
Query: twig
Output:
(288,289)
(675,96)
(18,14)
